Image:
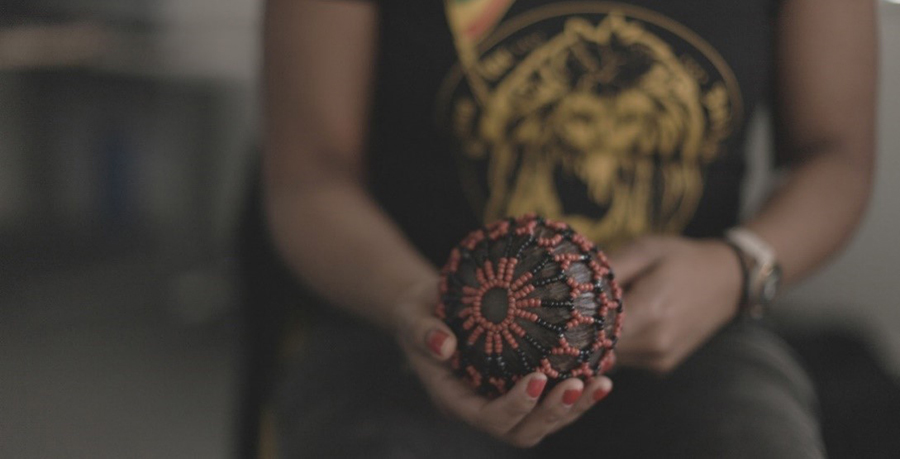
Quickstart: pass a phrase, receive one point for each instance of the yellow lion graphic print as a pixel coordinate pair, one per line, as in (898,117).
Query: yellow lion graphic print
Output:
(602,125)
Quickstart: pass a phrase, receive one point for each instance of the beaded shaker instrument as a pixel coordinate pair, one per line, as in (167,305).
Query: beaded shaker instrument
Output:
(525,295)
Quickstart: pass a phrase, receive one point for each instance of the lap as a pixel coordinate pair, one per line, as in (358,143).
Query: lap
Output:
(741,395)
(350,395)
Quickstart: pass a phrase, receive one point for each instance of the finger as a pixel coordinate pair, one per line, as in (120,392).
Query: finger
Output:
(449,392)
(593,393)
(653,349)
(641,350)
(548,416)
(608,363)
(502,414)
(432,337)
(640,340)
(656,364)
(637,358)
(646,303)
(630,261)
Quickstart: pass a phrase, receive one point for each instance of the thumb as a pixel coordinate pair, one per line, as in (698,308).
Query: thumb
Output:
(417,327)
(431,336)
(634,259)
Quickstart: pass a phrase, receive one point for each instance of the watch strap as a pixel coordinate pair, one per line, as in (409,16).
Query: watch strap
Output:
(759,261)
(750,244)
(745,274)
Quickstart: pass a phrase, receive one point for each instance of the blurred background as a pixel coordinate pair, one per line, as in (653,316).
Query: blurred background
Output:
(127,132)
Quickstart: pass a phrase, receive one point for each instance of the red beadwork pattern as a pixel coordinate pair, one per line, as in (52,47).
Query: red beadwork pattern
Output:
(525,295)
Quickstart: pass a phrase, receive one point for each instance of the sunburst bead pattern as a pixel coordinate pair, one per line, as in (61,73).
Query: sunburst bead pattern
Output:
(525,295)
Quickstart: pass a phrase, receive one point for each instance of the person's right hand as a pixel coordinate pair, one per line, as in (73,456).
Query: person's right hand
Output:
(515,417)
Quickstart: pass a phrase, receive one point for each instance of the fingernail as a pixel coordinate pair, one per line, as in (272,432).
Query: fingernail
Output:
(535,387)
(607,363)
(436,341)
(571,396)
(601,393)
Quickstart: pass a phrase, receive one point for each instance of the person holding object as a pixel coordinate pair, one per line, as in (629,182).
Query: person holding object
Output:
(394,128)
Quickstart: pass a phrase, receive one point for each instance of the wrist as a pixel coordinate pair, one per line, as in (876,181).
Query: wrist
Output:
(728,264)
(738,257)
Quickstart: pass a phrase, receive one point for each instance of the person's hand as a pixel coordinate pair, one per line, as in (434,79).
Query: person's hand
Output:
(678,293)
(516,417)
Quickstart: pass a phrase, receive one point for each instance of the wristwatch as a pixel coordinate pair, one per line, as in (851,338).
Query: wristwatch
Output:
(762,273)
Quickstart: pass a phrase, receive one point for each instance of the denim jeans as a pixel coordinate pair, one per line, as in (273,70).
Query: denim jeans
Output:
(741,395)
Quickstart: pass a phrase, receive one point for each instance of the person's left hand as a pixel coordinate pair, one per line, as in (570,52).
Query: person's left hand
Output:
(678,293)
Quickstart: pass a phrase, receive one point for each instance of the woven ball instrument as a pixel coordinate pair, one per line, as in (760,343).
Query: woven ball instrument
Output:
(528,294)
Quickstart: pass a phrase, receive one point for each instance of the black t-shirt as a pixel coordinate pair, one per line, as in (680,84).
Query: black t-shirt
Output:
(621,118)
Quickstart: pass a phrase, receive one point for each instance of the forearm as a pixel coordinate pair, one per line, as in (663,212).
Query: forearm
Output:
(319,61)
(346,249)
(815,211)
(825,112)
